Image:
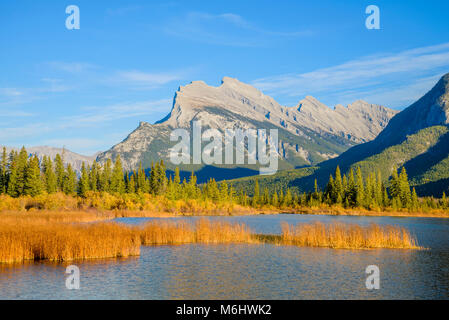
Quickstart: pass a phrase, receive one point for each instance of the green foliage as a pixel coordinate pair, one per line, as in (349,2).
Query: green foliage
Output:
(23,175)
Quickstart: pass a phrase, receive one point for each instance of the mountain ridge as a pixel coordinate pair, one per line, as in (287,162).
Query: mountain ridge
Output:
(417,138)
(307,136)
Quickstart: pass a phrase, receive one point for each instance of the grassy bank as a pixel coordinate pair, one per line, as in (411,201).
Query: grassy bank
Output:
(66,236)
(145,205)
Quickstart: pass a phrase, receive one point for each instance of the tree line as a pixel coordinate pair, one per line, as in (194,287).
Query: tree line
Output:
(21,174)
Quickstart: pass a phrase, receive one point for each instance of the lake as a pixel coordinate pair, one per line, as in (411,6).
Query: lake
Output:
(251,271)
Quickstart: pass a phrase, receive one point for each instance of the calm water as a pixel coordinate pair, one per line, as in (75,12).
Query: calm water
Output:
(251,271)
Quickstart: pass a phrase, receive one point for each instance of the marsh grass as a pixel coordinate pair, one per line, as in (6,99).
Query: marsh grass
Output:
(66,241)
(71,236)
(202,231)
(347,236)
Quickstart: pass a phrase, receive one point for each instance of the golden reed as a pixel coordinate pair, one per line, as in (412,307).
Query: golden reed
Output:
(347,236)
(202,231)
(70,236)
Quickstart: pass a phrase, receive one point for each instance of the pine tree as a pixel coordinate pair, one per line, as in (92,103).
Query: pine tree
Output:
(275,199)
(445,201)
(51,185)
(131,186)
(83,182)
(351,192)
(93,177)
(330,191)
(69,181)
(338,186)
(33,185)
(12,188)
(153,178)
(142,185)
(117,178)
(414,200)
(223,191)
(18,165)
(60,172)
(231,193)
(162,178)
(176,184)
(105,176)
(212,191)
(256,195)
(4,172)
(288,198)
(360,189)
(395,190)
(404,188)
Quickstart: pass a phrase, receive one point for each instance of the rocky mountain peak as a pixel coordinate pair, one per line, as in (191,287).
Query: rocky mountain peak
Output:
(430,110)
(235,104)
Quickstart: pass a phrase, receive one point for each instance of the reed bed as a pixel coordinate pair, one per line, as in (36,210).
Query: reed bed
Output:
(68,236)
(347,236)
(66,242)
(202,231)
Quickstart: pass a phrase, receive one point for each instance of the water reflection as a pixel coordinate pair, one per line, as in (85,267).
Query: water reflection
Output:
(250,271)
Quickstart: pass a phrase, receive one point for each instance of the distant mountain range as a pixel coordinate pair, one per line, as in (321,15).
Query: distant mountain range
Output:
(75,159)
(416,138)
(309,133)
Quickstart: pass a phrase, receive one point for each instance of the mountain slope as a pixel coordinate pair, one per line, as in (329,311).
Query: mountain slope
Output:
(308,133)
(416,138)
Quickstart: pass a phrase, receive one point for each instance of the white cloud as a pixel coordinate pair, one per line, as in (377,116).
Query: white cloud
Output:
(118,111)
(382,73)
(71,67)
(10,92)
(144,79)
(227,29)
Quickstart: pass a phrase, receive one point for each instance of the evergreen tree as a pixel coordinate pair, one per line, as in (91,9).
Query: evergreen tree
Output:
(256,195)
(338,186)
(360,189)
(404,188)
(223,191)
(83,182)
(153,177)
(395,190)
(275,199)
(142,183)
(69,181)
(12,188)
(117,178)
(288,198)
(33,185)
(51,184)
(131,186)
(105,176)
(60,172)
(17,167)
(94,176)
(414,200)
(4,172)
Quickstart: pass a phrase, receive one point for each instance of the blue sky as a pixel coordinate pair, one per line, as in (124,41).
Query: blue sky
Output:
(87,89)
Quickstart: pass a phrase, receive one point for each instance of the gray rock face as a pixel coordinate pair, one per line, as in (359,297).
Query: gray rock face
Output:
(432,109)
(309,132)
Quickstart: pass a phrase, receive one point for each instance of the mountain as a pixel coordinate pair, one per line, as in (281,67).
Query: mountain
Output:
(416,138)
(309,132)
(75,159)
